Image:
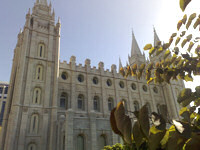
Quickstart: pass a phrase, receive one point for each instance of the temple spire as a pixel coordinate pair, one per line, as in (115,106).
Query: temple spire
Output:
(120,63)
(156,38)
(135,50)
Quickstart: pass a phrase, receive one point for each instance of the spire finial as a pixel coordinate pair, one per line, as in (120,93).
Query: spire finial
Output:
(37,1)
(120,63)
(59,20)
(156,38)
(135,50)
(29,11)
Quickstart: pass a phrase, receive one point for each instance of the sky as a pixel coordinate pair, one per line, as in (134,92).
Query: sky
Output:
(100,30)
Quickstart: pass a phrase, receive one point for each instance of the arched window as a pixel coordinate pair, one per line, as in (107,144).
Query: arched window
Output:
(39,72)
(81,102)
(158,108)
(80,143)
(110,103)
(102,141)
(36,96)
(34,124)
(31,147)
(96,103)
(41,50)
(149,108)
(136,106)
(63,101)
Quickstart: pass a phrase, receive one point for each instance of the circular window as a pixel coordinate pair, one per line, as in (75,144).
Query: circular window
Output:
(80,78)
(121,84)
(109,82)
(155,90)
(64,75)
(95,80)
(133,86)
(144,87)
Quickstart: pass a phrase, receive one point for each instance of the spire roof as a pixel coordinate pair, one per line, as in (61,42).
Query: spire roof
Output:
(135,50)
(120,63)
(156,38)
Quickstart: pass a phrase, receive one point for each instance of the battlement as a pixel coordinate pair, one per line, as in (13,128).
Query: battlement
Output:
(72,65)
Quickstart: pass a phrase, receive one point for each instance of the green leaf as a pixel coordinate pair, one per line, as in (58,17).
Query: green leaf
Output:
(160,50)
(151,51)
(197,22)
(173,35)
(192,16)
(188,24)
(184,19)
(177,40)
(147,47)
(183,4)
(189,37)
(113,123)
(123,122)
(144,120)
(150,80)
(188,78)
(184,94)
(190,46)
(183,43)
(183,33)
(155,138)
(167,53)
(179,24)
(137,134)
(166,45)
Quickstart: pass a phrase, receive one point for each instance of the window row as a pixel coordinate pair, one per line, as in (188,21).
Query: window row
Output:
(95,80)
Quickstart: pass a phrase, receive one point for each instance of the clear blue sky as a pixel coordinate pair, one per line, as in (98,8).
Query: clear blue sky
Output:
(96,29)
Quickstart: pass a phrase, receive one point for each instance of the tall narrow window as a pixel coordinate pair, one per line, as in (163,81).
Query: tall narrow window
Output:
(41,50)
(63,101)
(96,103)
(136,105)
(102,141)
(158,108)
(80,143)
(34,124)
(2,112)
(149,108)
(39,72)
(81,102)
(110,103)
(31,147)
(36,96)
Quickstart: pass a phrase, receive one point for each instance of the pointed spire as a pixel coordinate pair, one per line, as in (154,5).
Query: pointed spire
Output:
(29,11)
(58,20)
(135,50)
(120,63)
(50,4)
(37,1)
(156,38)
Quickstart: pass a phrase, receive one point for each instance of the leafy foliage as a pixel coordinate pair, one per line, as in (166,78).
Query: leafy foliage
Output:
(150,133)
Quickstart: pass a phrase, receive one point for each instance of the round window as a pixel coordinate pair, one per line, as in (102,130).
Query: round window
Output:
(133,86)
(109,82)
(64,75)
(80,78)
(144,87)
(155,90)
(95,80)
(121,84)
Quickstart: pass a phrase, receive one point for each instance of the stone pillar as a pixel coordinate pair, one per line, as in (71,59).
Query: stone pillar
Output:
(73,82)
(88,84)
(93,131)
(69,130)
